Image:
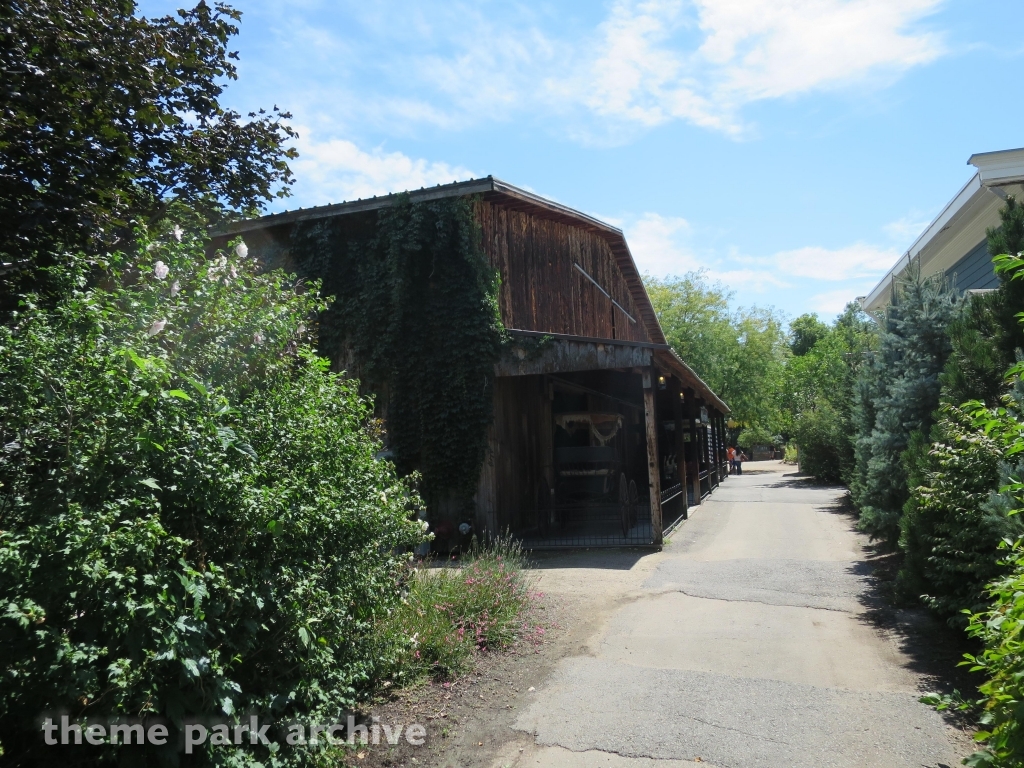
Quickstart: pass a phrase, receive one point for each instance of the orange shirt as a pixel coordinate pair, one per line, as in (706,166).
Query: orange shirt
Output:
(731,454)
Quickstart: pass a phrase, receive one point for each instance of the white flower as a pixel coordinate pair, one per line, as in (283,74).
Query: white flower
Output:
(156,327)
(257,338)
(217,268)
(175,288)
(233,272)
(242,250)
(177,232)
(301,329)
(160,270)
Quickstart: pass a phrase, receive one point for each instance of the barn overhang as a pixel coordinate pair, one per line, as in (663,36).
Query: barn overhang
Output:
(534,353)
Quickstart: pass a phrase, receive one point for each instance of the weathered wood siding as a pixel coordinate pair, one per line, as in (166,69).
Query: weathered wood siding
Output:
(541,290)
(518,470)
(563,355)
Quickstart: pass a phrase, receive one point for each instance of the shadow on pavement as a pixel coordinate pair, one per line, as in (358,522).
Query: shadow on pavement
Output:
(933,649)
(609,559)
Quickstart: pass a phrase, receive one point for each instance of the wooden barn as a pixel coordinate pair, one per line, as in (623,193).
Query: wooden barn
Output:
(601,434)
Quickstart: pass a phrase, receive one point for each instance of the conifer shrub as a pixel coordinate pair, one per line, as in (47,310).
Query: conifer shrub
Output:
(193,518)
(898,394)
(951,529)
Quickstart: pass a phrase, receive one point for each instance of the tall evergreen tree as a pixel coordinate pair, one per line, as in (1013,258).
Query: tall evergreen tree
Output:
(913,348)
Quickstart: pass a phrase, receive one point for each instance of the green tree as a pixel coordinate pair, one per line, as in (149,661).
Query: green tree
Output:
(902,382)
(818,391)
(193,518)
(110,118)
(740,354)
(695,315)
(805,332)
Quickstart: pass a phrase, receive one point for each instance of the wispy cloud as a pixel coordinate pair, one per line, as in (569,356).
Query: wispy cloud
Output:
(658,244)
(657,61)
(337,169)
(832,302)
(905,230)
(660,247)
(853,261)
(646,63)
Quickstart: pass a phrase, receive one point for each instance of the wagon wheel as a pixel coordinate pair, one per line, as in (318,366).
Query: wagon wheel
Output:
(634,503)
(624,515)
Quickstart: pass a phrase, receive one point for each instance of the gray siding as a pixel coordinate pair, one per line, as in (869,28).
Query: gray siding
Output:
(974,270)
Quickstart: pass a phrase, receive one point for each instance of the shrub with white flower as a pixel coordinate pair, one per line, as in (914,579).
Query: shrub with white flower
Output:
(193,526)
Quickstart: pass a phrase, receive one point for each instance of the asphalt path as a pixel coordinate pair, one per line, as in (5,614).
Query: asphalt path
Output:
(745,643)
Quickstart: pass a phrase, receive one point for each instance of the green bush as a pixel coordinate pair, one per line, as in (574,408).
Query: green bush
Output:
(791,454)
(1000,629)
(824,445)
(950,532)
(452,611)
(193,522)
(752,436)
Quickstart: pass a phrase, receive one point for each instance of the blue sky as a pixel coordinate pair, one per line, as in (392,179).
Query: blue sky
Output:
(793,148)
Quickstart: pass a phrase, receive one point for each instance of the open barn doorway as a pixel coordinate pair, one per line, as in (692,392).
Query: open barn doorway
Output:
(569,460)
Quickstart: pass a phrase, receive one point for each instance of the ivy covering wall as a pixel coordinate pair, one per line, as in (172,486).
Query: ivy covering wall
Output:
(416,319)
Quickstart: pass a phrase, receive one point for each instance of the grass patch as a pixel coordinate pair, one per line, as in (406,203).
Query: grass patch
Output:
(461,608)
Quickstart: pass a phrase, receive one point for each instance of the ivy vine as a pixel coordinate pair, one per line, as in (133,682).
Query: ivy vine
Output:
(416,319)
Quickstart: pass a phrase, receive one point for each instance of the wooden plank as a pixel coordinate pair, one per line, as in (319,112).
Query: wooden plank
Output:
(653,462)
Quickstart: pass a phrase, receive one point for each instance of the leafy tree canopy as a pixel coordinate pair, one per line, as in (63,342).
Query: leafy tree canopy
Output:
(805,332)
(741,354)
(109,117)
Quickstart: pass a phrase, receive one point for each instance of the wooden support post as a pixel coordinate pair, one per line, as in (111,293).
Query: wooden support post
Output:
(694,451)
(677,411)
(725,446)
(714,453)
(653,462)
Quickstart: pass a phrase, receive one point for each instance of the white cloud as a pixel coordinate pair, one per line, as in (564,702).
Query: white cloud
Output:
(658,244)
(853,261)
(907,229)
(648,71)
(337,169)
(757,280)
(660,247)
(773,48)
(831,302)
(648,62)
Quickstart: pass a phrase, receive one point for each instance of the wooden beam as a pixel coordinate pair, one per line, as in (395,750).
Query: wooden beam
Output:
(653,463)
(677,412)
(695,449)
(714,477)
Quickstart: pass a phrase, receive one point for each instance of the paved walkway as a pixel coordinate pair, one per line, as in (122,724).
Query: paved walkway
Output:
(744,644)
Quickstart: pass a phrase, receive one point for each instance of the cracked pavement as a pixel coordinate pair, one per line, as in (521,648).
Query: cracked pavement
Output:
(743,644)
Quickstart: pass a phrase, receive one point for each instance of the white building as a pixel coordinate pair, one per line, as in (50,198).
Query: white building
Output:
(955,241)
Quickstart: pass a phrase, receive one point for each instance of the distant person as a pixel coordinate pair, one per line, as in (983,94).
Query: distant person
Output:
(730,454)
(740,458)
(771,453)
